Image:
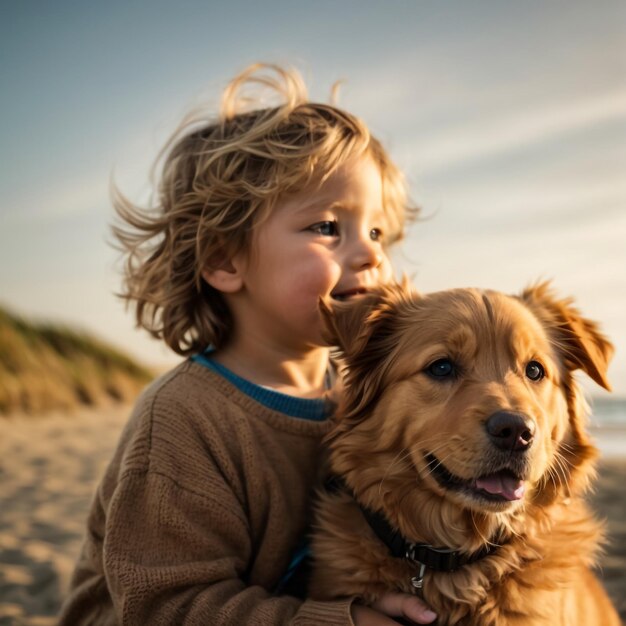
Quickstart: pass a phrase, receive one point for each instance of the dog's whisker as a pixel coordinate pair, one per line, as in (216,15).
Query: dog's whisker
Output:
(561,463)
(440,463)
(443,440)
(399,458)
(404,454)
(566,446)
(477,530)
(555,471)
(553,475)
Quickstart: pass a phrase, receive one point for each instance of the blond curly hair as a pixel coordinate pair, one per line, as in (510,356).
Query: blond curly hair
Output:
(219,178)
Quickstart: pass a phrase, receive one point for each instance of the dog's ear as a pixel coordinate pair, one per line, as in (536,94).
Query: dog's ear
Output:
(580,345)
(579,340)
(344,323)
(365,330)
(350,324)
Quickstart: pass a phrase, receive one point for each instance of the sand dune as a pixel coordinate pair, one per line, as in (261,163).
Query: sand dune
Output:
(49,467)
(46,367)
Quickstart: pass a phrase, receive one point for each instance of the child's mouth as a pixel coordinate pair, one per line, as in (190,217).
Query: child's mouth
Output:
(349,293)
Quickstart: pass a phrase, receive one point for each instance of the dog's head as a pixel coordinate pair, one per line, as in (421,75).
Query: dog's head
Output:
(469,394)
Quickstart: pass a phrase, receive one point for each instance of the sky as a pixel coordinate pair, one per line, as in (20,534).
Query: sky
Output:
(509,120)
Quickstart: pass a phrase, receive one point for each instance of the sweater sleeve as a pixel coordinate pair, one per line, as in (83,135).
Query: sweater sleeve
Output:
(173,556)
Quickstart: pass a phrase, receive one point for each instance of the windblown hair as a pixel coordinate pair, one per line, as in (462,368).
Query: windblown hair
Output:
(219,178)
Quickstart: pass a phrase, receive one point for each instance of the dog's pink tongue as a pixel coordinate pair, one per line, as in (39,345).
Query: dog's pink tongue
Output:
(505,485)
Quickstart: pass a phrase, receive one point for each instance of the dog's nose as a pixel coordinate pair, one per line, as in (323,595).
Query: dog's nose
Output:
(510,431)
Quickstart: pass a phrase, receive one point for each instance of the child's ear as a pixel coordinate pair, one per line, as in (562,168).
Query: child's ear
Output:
(224,275)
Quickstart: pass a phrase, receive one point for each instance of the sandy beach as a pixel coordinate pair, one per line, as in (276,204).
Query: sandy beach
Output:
(49,467)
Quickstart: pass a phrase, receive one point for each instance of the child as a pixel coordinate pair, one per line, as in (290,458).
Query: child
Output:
(260,213)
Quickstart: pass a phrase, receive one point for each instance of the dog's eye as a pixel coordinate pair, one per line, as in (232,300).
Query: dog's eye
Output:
(441,368)
(535,371)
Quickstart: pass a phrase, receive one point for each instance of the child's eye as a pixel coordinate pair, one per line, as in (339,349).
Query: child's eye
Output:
(327,229)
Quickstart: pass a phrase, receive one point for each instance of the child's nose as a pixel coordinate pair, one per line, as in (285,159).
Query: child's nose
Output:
(367,253)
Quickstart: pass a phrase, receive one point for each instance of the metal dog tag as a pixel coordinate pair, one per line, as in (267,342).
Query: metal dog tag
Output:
(418,581)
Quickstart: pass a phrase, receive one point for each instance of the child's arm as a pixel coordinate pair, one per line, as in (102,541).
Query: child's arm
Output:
(190,525)
(177,556)
(164,568)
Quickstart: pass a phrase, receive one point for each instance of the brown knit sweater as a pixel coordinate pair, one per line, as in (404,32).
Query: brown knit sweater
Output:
(199,511)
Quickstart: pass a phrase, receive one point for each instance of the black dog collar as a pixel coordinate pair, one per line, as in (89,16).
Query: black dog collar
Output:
(422,554)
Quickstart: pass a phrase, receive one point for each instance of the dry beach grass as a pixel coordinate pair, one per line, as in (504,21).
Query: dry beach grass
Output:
(49,467)
(47,367)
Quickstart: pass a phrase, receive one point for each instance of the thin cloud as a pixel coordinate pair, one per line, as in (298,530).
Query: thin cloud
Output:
(61,201)
(514,203)
(518,130)
(86,192)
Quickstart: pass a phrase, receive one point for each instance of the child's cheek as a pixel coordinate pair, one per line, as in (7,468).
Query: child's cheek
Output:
(318,272)
(385,271)
(318,280)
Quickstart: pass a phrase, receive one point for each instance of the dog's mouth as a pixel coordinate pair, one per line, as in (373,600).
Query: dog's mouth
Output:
(503,485)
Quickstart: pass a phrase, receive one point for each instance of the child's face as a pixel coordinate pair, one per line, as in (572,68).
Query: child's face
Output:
(326,241)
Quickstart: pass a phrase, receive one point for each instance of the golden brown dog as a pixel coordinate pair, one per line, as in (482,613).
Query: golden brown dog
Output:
(462,457)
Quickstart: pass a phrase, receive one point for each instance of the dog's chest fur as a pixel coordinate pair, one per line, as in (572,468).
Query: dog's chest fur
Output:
(516,585)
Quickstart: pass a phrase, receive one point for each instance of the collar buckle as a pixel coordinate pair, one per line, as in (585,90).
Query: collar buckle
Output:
(439,559)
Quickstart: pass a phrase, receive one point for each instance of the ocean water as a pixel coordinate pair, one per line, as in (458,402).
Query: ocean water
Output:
(608,411)
(608,426)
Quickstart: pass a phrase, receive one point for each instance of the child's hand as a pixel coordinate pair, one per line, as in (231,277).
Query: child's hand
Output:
(392,605)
